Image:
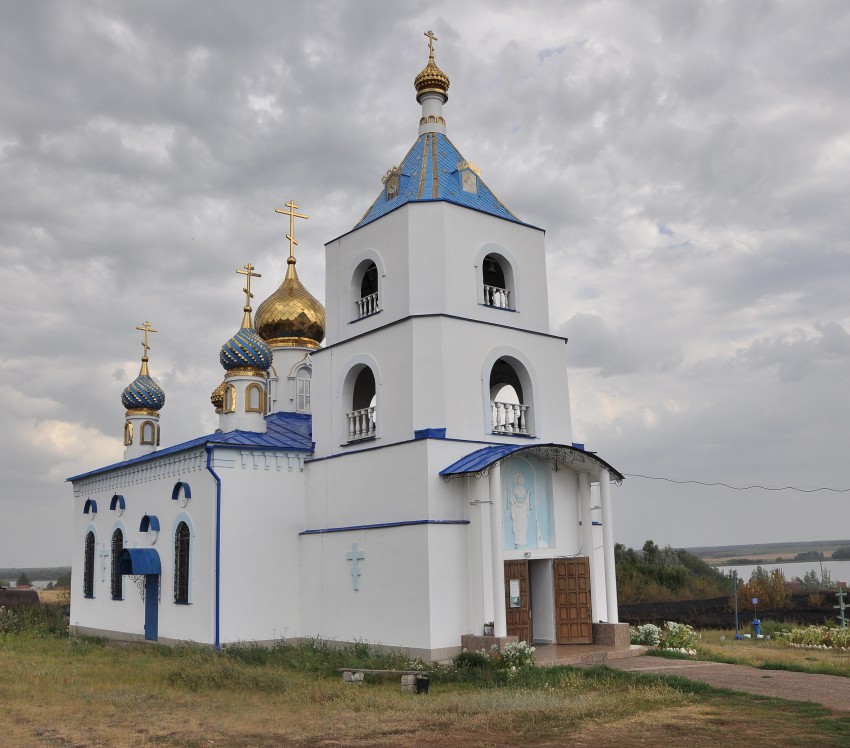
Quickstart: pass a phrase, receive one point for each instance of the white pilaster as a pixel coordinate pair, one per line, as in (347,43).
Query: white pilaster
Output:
(498,564)
(608,546)
(587,534)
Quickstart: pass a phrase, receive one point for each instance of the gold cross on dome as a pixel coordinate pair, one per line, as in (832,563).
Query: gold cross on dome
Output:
(292,216)
(146,328)
(431,40)
(247,271)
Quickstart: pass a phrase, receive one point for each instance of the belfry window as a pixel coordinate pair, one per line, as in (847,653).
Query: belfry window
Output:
(88,566)
(362,418)
(368,302)
(255,401)
(117,579)
(181,563)
(509,405)
(128,433)
(497,280)
(229,398)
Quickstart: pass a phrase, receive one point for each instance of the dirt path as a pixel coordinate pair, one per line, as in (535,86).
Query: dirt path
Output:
(832,691)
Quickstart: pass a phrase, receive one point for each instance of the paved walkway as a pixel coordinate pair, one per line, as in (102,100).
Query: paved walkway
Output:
(832,691)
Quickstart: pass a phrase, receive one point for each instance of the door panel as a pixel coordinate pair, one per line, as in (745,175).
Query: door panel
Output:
(519,619)
(572,601)
(151,607)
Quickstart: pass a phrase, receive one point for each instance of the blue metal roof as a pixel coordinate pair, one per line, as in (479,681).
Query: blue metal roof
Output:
(430,172)
(139,561)
(291,432)
(483,458)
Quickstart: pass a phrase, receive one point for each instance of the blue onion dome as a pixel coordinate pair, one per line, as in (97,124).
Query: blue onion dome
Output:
(143,393)
(247,349)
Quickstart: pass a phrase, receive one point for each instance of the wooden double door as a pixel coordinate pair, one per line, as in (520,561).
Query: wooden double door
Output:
(572,611)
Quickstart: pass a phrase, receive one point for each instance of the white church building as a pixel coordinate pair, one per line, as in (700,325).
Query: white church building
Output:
(397,468)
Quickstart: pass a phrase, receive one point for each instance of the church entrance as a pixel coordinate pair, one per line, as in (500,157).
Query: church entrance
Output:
(572,601)
(145,562)
(518,599)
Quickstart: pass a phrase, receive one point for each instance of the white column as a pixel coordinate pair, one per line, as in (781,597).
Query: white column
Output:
(499,615)
(485,512)
(608,546)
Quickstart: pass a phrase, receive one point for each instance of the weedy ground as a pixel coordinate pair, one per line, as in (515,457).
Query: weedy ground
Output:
(57,690)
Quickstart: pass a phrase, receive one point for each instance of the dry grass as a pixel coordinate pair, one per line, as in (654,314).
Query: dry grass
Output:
(772,654)
(75,692)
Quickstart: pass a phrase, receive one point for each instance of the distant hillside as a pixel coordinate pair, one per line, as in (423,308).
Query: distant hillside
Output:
(765,552)
(45,573)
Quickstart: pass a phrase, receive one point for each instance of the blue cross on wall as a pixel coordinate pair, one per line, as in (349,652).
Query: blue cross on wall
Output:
(355,555)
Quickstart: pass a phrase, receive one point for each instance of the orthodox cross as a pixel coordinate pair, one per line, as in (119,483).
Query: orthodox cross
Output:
(146,328)
(356,556)
(431,40)
(104,555)
(248,272)
(292,216)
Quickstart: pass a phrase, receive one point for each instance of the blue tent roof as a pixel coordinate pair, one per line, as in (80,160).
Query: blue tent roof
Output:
(429,172)
(483,458)
(139,561)
(292,432)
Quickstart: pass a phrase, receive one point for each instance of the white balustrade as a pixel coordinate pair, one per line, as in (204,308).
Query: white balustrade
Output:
(499,297)
(368,305)
(361,424)
(509,418)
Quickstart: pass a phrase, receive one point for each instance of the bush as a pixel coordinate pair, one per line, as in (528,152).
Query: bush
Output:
(36,620)
(820,637)
(648,634)
(677,637)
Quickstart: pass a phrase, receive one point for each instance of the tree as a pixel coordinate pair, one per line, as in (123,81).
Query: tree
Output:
(23,580)
(842,552)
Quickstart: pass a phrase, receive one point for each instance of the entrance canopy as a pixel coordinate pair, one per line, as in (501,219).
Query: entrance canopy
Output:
(139,561)
(481,460)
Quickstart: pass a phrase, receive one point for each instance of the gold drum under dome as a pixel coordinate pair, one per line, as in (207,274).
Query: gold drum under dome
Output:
(291,316)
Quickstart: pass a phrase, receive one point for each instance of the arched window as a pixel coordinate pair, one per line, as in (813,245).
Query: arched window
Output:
(362,418)
(255,399)
(128,433)
(181,563)
(510,401)
(148,432)
(365,289)
(302,389)
(88,566)
(229,398)
(117,579)
(498,282)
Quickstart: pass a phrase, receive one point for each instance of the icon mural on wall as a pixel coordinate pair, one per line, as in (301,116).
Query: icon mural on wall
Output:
(527,515)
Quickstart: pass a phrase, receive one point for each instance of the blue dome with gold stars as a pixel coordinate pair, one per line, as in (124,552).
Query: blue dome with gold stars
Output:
(143,392)
(246,348)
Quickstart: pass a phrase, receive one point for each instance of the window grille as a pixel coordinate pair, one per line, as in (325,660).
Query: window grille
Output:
(88,566)
(181,563)
(117,579)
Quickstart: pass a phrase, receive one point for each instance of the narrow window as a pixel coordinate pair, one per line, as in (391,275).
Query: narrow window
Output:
(181,563)
(128,433)
(229,398)
(254,400)
(148,433)
(302,390)
(117,579)
(88,566)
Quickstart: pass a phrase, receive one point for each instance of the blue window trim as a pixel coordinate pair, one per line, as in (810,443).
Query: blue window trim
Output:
(384,525)
(117,502)
(149,522)
(90,507)
(175,492)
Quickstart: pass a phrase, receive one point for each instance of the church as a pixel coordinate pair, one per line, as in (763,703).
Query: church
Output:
(396,468)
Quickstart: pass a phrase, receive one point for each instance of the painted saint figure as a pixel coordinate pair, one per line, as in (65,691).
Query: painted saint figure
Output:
(519,505)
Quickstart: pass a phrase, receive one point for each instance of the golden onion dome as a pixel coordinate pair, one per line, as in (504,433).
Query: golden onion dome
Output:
(217,398)
(291,316)
(431,80)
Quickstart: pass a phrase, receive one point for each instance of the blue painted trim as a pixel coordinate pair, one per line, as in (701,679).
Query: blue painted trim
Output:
(118,501)
(149,522)
(175,493)
(139,561)
(217,547)
(596,524)
(90,507)
(383,525)
(439,433)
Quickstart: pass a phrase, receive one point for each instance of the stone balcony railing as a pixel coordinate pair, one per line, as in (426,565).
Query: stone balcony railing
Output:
(509,418)
(367,305)
(498,297)
(361,424)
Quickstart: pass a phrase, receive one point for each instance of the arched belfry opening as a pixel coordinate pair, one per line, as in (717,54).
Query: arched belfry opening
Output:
(498,282)
(361,393)
(365,289)
(509,400)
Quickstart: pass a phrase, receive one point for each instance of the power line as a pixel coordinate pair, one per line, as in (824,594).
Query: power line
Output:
(741,488)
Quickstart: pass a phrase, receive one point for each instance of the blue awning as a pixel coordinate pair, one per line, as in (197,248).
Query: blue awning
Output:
(118,502)
(481,459)
(139,561)
(149,522)
(90,507)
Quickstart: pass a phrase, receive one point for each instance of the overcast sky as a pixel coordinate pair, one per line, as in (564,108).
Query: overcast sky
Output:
(688,160)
